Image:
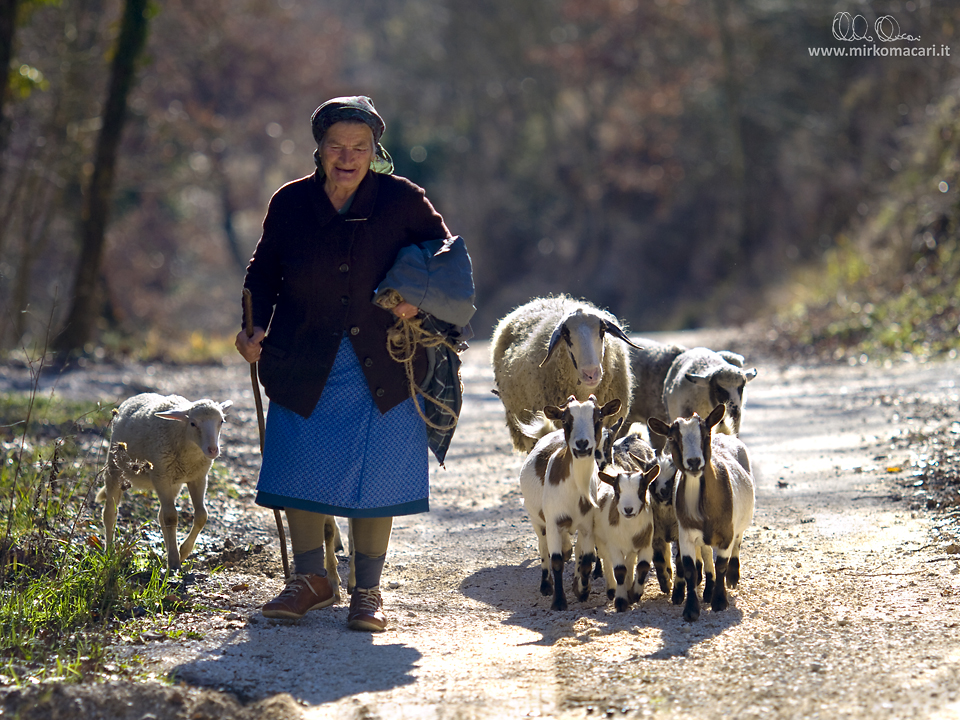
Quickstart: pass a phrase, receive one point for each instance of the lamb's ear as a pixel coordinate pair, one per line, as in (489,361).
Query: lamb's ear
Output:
(715,416)
(560,331)
(750,374)
(611,408)
(617,331)
(226,404)
(698,379)
(180,415)
(658,426)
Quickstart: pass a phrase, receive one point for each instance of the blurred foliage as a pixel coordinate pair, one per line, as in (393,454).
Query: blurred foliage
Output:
(892,289)
(670,160)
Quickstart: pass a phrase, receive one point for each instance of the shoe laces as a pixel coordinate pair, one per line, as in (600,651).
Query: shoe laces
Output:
(369,599)
(293,585)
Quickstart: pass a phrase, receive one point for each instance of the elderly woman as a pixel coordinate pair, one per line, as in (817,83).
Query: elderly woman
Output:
(343,435)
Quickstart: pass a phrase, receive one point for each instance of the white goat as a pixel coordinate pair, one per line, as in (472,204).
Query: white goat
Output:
(559,485)
(623,530)
(531,371)
(699,379)
(714,500)
(161,443)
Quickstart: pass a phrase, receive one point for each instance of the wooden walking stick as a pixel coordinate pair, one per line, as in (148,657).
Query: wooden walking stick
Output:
(248,326)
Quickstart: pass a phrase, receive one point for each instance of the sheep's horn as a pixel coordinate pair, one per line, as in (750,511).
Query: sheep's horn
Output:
(616,330)
(559,331)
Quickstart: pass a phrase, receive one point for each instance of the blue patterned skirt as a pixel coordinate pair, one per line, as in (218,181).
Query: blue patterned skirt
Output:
(346,459)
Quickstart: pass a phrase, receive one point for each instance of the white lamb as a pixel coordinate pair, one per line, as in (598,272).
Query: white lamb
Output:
(532,371)
(559,485)
(623,530)
(161,443)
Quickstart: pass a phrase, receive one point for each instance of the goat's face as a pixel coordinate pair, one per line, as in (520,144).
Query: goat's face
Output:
(726,387)
(662,487)
(630,489)
(689,439)
(204,421)
(582,423)
(604,451)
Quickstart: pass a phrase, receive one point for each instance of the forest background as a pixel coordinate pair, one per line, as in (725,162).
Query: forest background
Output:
(681,162)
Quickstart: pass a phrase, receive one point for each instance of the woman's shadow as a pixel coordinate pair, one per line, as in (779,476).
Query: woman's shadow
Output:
(316,660)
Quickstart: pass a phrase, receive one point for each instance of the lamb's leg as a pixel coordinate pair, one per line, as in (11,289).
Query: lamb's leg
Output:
(197,491)
(167,519)
(111,498)
(331,537)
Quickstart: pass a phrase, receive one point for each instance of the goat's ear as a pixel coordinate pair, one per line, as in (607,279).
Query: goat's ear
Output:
(697,379)
(715,416)
(611,408)
(750,374)
(608,477)
(552,412)
(173,415)
(617,331)
(559,331)
(648,477)
(658,426)
(616,426)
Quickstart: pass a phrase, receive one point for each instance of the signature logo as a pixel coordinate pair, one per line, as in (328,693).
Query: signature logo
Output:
(855,27)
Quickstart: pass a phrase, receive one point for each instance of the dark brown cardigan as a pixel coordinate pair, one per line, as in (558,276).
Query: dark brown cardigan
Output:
(312,278)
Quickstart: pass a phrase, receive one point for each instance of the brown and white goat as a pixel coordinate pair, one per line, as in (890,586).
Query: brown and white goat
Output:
(714,500)
(559,485)
(623,529)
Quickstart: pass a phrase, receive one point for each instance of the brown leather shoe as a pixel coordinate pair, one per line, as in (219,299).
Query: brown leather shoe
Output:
(366,610)
(302,594)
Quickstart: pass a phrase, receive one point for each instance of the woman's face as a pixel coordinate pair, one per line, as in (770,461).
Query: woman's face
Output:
(345,154)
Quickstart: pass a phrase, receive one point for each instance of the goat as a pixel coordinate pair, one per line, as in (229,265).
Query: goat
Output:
(559,485)
(714,500)
(623,530)
(161,443)
(531,371)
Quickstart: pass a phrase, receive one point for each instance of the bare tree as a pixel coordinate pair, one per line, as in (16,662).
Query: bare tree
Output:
(96,204)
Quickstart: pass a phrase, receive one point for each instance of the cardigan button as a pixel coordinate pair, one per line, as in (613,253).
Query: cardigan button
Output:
(344,268)
(368,362)
(380,392)
(354,330)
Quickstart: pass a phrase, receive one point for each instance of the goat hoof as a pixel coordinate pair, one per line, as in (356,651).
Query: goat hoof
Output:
(559,604)
(678,593)
(691,615)
(719,603)
(621,604)
(546,588)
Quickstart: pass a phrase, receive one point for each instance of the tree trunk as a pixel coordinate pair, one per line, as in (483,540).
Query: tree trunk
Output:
(8,29)
(78,329)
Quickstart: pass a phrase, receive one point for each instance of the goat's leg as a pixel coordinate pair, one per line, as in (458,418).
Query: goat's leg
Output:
(554,539)
(643,560)
(709,572)
(733,569)
(663,564)
(691,610)
(585,561)
(719,597)
(331,537)
(546,586)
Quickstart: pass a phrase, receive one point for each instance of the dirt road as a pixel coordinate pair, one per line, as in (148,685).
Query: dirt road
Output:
(848,606)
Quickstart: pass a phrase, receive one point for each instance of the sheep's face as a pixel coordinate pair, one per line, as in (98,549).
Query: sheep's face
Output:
(582,423)
(203,423)
(630,489)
